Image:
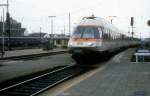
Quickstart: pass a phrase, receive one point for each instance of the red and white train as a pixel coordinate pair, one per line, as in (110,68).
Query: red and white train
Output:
(94,36)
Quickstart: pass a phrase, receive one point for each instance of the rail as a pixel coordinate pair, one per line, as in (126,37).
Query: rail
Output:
(43,82)
(33,55)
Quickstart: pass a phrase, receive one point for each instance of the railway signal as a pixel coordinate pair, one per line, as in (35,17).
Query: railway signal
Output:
(132,21)
(148,22)
(132,24)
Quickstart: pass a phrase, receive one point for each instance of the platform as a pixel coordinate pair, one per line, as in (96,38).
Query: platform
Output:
(119,77)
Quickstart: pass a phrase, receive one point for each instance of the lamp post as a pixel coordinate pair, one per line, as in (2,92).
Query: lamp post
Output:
(52,26)
(40,37)
(7,22)
(3,27)
(52,32)
(40,33)
(69,25)
(3,37)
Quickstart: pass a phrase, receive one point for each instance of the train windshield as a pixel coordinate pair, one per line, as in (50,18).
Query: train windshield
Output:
(86,32)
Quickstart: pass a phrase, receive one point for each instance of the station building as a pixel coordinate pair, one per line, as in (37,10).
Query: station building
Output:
(59,40)
(16,29)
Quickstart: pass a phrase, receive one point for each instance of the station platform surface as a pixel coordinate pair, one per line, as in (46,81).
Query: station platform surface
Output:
(119,77)
(29,52)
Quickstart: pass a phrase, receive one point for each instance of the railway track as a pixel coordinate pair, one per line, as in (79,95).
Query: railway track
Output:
(31,56)
(43,82)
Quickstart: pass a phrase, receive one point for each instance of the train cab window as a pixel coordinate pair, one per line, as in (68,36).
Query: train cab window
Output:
(86,32)
(77,33)
(91,32)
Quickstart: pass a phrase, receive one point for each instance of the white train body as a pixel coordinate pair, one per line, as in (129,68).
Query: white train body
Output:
(97,35)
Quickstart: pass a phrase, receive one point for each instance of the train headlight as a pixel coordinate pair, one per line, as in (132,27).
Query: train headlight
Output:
(90,44)
(70,44)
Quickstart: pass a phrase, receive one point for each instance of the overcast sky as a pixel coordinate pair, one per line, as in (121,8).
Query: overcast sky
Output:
(34,13)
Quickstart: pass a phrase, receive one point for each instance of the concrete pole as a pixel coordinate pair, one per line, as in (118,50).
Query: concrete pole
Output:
(7,22)
(3,36)
(69,25)
(40,32)
(64,29)
(136,59)
(51,26)
(132,31)
(51,17)
(52,38)
(40,37)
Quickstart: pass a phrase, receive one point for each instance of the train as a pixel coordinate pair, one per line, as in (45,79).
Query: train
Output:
(21,42)
(94,37)
(43,41)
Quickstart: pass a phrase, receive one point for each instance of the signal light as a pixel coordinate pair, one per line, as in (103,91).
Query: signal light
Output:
(148,22)
(132,21)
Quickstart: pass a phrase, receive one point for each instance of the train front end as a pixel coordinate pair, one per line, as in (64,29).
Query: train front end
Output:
(84,38)
(85,42)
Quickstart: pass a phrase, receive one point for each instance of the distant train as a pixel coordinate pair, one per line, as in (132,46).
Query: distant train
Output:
(94,36)
(25,41)
(60,41)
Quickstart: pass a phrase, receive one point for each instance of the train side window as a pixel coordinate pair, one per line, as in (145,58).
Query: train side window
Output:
(105,34)
(109,34)
(118,36)
(115,35)
(100,32)
(123,37)
(97,33)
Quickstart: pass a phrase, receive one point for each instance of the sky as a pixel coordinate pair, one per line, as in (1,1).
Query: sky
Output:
(34,13)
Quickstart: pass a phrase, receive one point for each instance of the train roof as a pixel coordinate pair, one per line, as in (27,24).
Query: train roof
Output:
(97,21)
